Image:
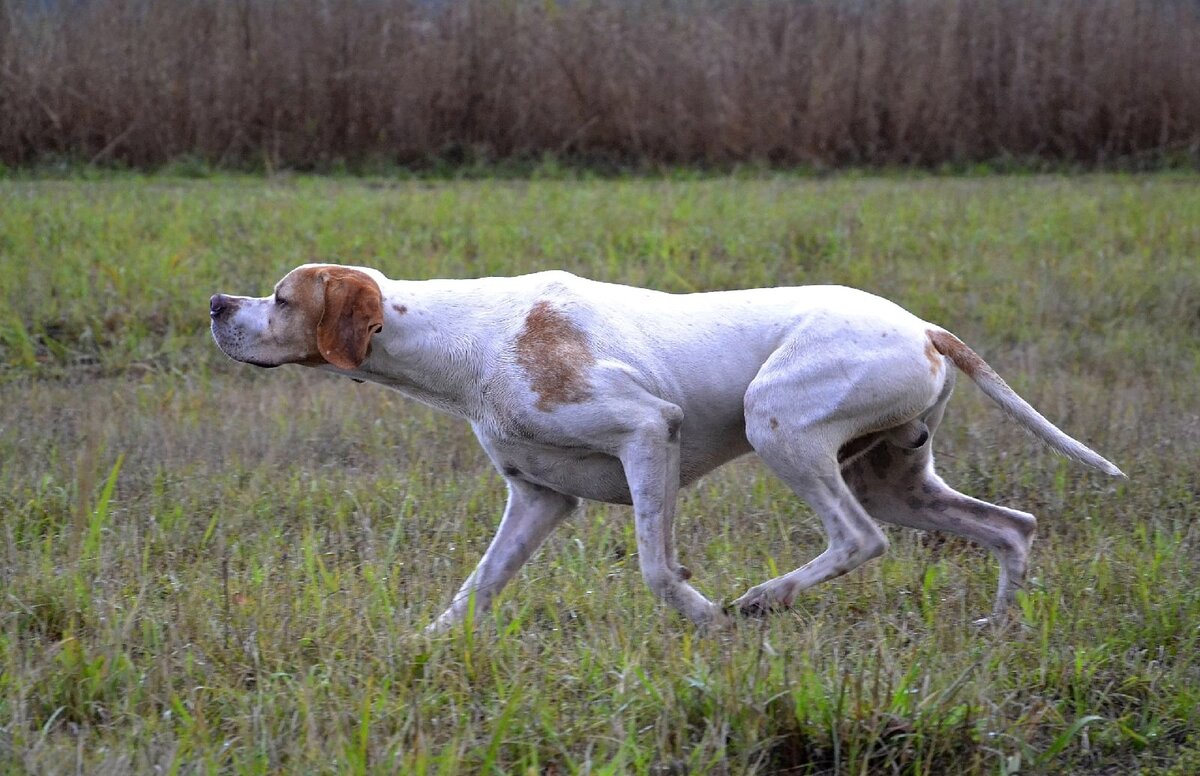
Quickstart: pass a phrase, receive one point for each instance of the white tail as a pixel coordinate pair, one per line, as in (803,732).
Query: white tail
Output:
(993,385)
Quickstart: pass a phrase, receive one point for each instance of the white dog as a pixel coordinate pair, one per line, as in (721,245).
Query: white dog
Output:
(585,390)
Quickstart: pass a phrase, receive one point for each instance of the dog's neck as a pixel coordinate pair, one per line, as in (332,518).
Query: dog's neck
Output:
(438,341)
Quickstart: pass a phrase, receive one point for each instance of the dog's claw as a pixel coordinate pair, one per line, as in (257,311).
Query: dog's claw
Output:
(756,604)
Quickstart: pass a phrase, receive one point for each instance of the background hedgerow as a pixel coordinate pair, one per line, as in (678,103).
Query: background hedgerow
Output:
(318,84)
(206,567)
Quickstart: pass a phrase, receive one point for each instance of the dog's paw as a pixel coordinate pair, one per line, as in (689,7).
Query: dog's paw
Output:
(760,610)
(1000,622)
(442,626)
(719,622)
(757,603)
(754,611)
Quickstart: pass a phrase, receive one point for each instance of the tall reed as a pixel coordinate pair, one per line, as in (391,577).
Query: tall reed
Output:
(314,83)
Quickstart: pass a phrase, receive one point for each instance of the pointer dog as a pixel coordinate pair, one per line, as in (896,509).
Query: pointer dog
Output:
(585,390)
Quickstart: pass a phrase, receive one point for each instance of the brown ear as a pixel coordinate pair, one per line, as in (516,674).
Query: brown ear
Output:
(353,312)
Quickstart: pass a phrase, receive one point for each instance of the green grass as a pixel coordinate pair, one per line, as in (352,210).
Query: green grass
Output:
(210,568)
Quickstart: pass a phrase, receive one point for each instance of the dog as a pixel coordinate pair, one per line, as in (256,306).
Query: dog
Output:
(578,389)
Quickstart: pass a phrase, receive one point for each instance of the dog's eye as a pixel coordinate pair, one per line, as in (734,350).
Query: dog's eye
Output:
(280,302)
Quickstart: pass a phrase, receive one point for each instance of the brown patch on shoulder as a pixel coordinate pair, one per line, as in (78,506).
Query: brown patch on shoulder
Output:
(555,354)
(957,351)
(400,309)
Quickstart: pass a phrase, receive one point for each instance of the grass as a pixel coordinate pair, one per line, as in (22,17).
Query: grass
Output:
(210,568)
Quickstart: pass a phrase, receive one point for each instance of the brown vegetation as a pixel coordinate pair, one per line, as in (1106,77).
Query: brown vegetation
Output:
(310,83)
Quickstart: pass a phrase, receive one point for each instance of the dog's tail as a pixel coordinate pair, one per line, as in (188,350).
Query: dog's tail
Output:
(974,367)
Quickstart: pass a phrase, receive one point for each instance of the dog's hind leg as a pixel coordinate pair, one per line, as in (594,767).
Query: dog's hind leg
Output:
(811,400)
(795,454)
(898,485)
(853,537)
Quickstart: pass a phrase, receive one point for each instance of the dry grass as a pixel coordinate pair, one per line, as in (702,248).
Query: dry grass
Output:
(320,83)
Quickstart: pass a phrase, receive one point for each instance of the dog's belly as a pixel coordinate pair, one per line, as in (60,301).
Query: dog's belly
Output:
(596,476)
(577,472)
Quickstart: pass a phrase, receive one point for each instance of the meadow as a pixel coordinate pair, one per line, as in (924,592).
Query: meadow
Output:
(208,568)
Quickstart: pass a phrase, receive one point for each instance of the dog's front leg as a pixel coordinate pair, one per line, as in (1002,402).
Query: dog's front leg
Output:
(531,514)
(650,458)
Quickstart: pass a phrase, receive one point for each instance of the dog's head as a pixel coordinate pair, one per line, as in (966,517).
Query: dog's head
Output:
(318,314)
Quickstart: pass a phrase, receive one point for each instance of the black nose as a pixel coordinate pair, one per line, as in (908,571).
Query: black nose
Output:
(218,304)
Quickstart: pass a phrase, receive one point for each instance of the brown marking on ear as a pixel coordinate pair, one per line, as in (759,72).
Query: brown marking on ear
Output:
(555,354)
(353,313)
(957,351)
(400,309)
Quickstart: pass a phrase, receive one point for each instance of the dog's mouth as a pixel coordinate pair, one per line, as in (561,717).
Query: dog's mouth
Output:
(233,356)
(231,343)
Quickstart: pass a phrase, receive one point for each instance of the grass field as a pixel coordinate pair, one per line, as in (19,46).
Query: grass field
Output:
(210,568)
